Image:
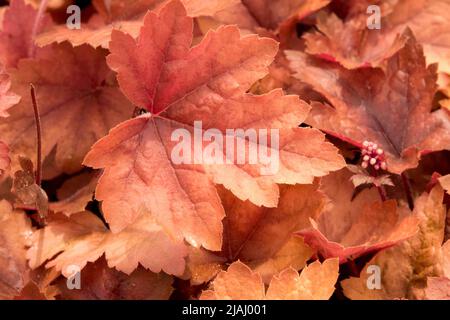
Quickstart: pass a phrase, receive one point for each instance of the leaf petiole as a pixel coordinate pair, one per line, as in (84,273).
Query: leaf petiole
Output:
(37,120)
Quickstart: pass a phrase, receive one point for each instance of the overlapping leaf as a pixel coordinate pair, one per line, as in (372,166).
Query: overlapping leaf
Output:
(351,43)
(350,227)
(125,15)
(445,182)
(15,235)
(18,32)
(391,108)
(262,238)
(83,238)
(430,22)
(7,98)
(239,282)
(102,283)
(256,15)
(259,236)
(179,85)
(438,288)
(175,87)
(405,267)
(75,194)
(78,99)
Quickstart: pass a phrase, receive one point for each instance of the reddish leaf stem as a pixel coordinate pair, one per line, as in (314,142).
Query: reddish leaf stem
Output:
(381,189)
(407,187)
(382,193)
(37,119)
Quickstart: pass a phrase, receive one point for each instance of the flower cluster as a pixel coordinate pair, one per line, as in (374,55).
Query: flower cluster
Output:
(373,155)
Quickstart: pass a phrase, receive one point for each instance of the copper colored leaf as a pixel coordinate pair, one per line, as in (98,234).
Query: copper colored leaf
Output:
(7,98)
(315,282)
(75,194)
(294,253)
(445,183)
(94,33)
(83,238)
(40,285)
(349,227)
(196,8)
(262,237)
(99,282)
(272,15)
(16,33)
(78,105)
(124,15)
(114,10)
(61,233)
(438,288)
(179,86)
(202,266)
(351,43)
(30,292)
(15,233)
(430,22)
(225,149)
(239,282)
(404,268)
(391,108)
